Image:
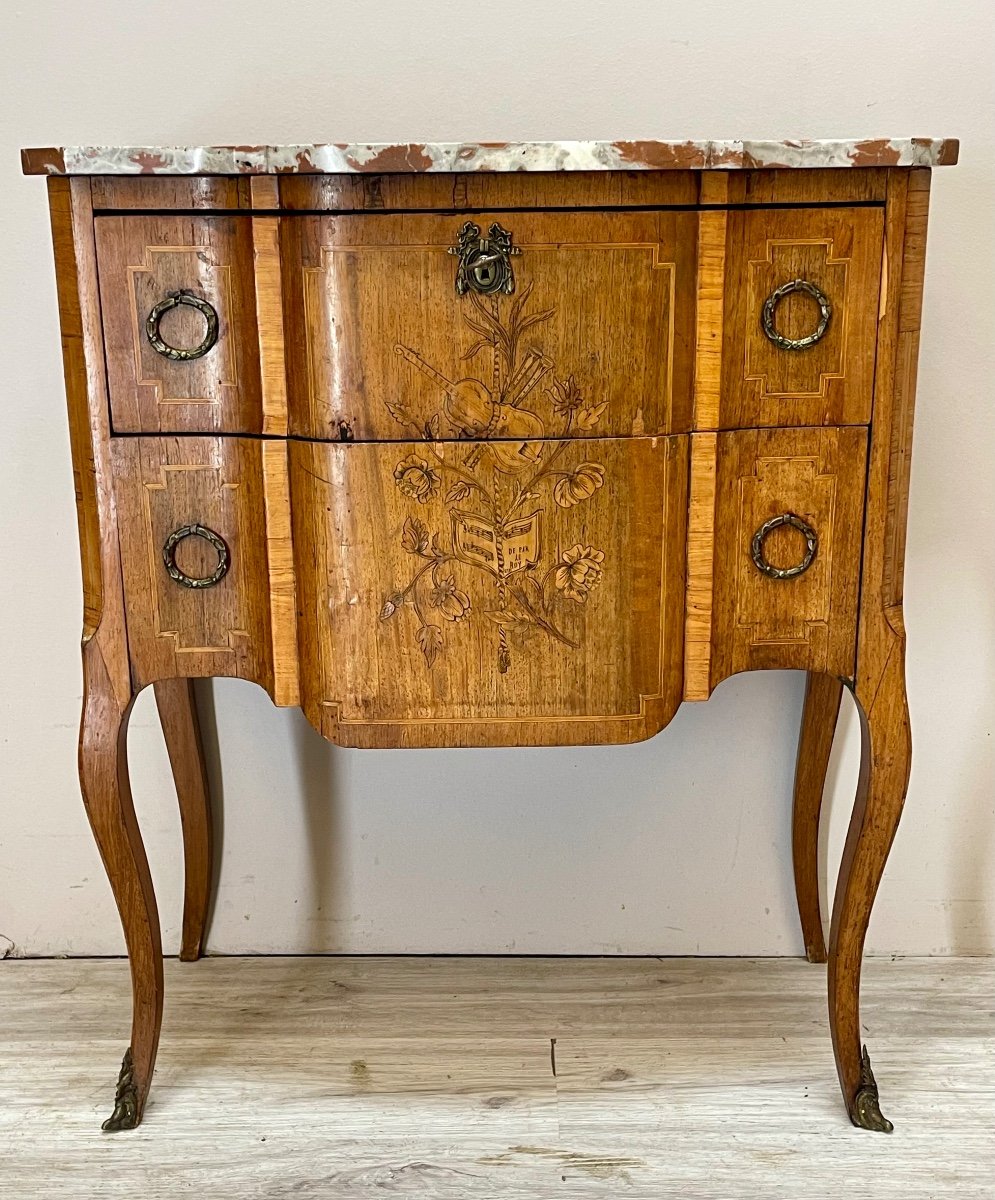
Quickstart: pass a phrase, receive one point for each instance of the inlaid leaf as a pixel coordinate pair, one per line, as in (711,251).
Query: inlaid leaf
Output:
(483,330)
(531,584)
(414,537)
(482,343)
(587,418)
(506,619)
(520,301)
(459,491)
(535,319)
(430,641)
(401,414)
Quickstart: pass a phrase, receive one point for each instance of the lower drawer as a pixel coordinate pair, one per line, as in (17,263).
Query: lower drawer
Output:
(192,528)
(775,529)
(458,595)
(415,594)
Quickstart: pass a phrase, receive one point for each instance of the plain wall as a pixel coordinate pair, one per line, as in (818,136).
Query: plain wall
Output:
(676,846)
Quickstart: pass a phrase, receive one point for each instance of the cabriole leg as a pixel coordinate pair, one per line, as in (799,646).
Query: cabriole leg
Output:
(815,742)
(181,728)
(886,753)
(103,769)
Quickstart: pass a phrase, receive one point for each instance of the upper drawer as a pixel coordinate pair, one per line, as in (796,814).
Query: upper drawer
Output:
(791,297)
(179,311)
(425,325)
(513,325)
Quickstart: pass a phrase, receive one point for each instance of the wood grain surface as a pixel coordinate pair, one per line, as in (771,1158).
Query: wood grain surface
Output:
(490,190)
(574,189)
(595,341)
(443,603)
(177,706)
(823,694)
(136,192)
(807,622)
(142,259)
(164,484)
(829,383)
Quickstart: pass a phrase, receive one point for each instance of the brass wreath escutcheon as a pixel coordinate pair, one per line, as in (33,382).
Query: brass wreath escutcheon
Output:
(209,536)
(174,300)
(770,307)
(757,547)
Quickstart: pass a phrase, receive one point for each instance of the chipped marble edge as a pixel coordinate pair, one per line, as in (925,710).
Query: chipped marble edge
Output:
(418,157)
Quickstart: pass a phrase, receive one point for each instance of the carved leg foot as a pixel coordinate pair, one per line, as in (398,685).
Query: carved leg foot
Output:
(181,729)
(106,790)
(126,1112)
(822,706)
(884,774)
(866,1111)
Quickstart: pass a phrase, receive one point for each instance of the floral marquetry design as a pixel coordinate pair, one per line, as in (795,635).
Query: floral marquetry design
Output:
(490,608)
(498,490)
(416,478)
(391,342)
(579,571)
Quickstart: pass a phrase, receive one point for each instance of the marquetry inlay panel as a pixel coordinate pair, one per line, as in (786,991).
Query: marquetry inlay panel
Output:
(828,383)
(165,484)
(603,304)
(142,260)
(459,601)
(753,621)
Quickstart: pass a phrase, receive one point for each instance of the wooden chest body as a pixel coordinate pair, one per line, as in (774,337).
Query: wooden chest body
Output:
(454,458)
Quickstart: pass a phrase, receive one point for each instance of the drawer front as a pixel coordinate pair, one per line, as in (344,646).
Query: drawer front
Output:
(443,601)
(199,500)
(392,340)
(765,502)
(197,369)
(798,321)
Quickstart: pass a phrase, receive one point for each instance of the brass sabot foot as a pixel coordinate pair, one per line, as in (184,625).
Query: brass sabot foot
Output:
(125,1114)
(866,1111)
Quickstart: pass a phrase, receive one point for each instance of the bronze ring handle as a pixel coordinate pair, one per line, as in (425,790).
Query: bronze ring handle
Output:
(209,536)
(757,547)
(173,300)
(771,303)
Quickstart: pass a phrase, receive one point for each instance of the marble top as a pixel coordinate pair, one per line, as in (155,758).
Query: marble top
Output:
(344,158)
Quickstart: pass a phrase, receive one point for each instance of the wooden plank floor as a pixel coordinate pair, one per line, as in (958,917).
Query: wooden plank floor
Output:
(333,1077)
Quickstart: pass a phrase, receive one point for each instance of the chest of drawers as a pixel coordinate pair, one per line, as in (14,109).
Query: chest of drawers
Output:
(492,445)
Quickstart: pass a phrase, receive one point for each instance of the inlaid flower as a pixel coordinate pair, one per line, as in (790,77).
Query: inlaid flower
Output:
(578,571)
(451,602)
(416,478)
(565,395)
(578,485)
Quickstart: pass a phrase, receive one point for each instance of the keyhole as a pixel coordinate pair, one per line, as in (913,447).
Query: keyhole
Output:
(485,275)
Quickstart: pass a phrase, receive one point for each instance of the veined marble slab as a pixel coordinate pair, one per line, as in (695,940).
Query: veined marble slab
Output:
(341,158)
